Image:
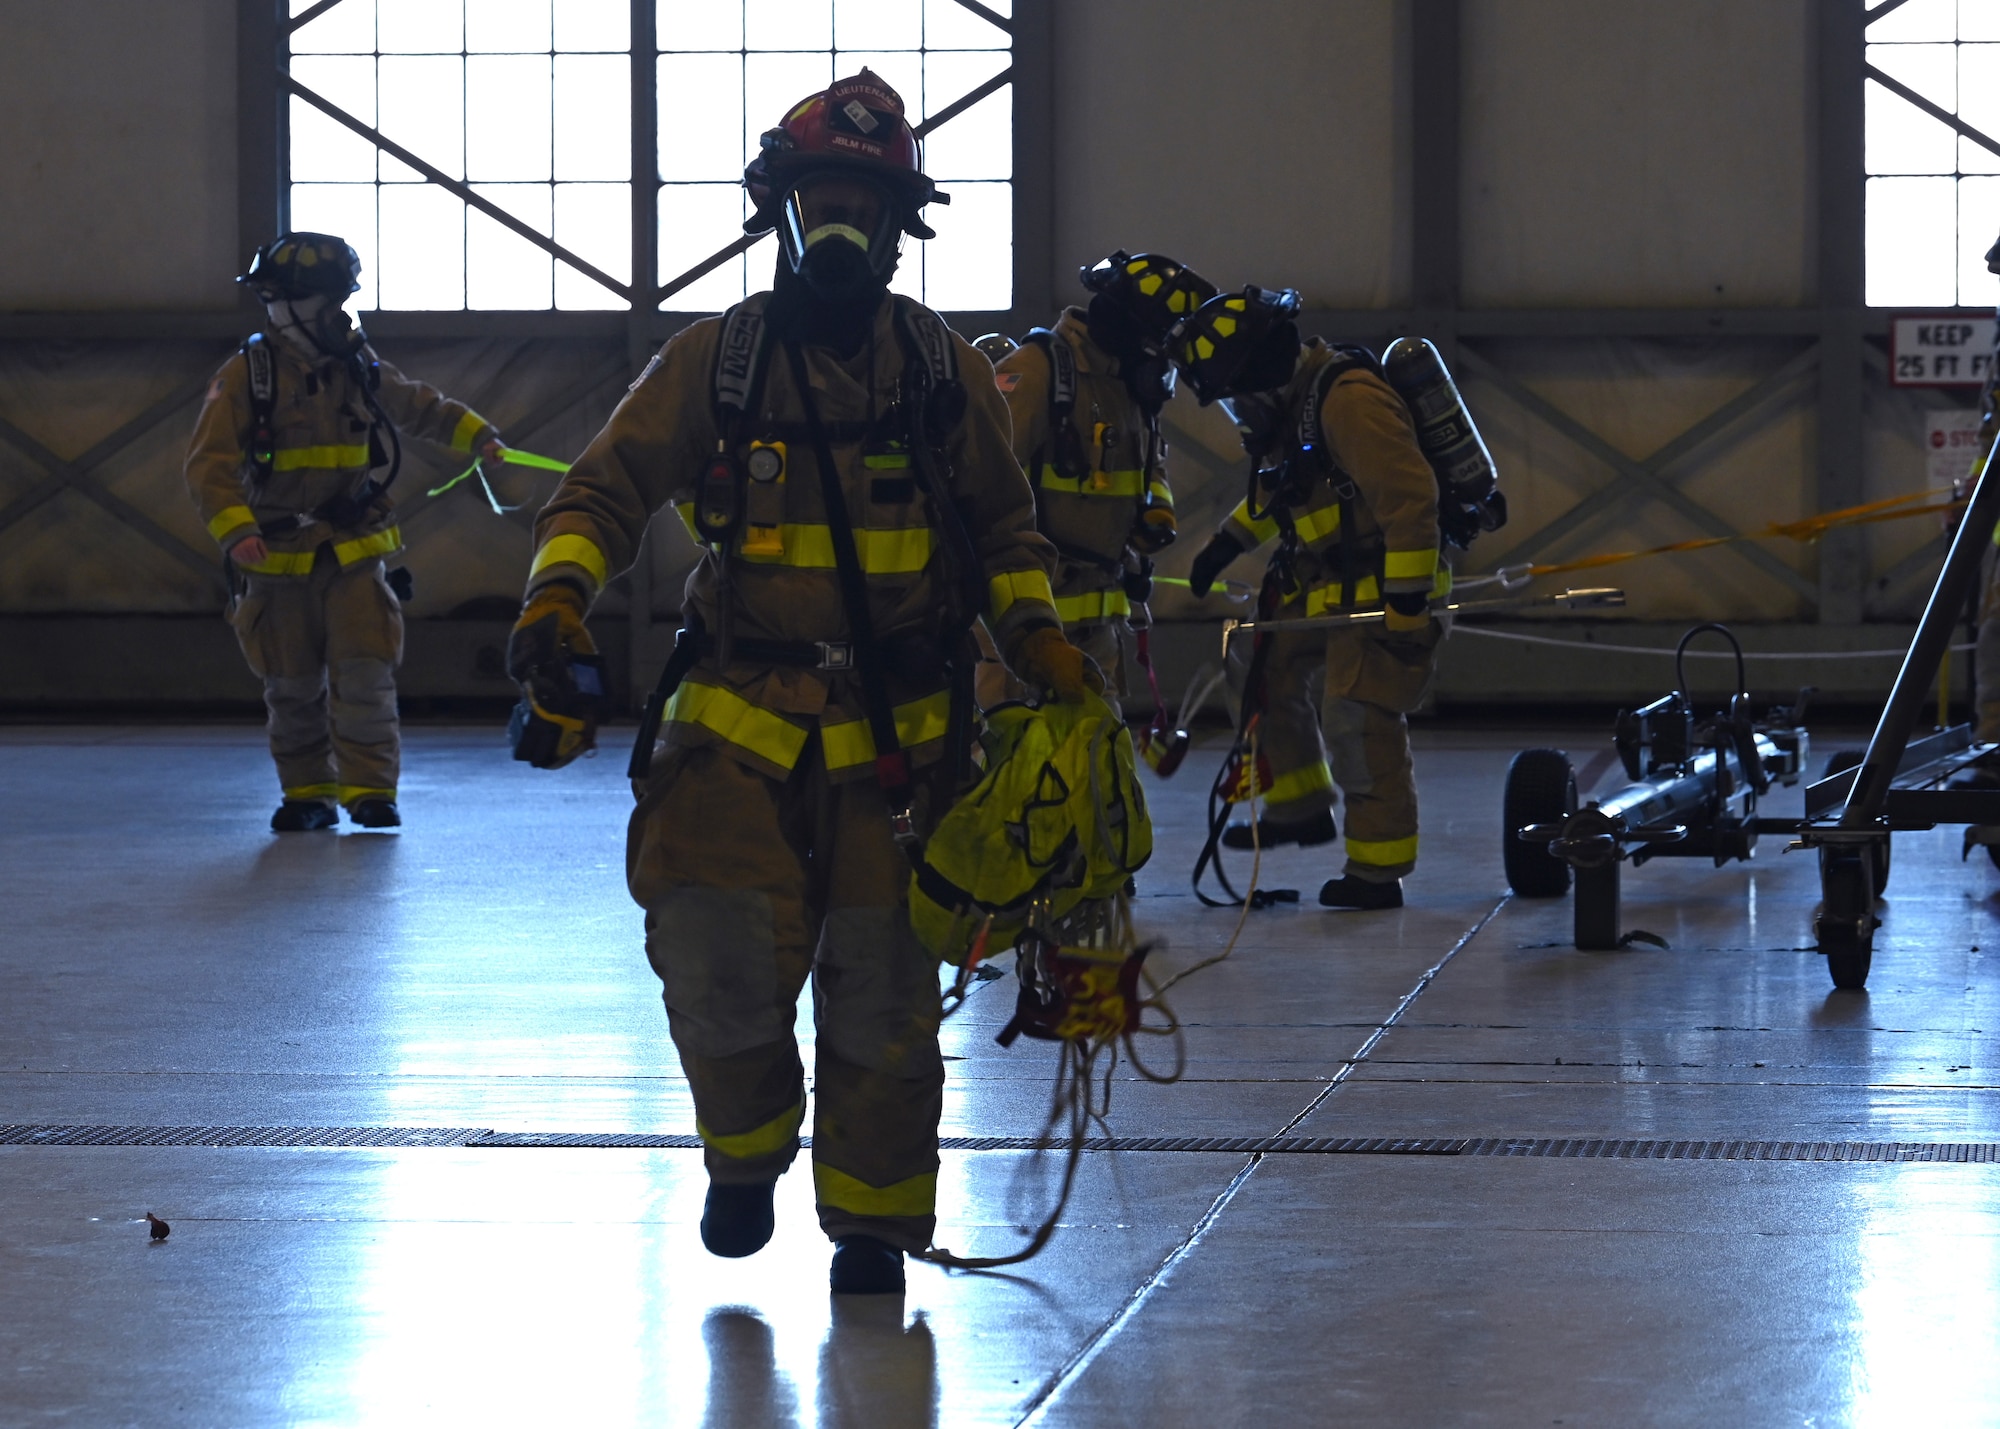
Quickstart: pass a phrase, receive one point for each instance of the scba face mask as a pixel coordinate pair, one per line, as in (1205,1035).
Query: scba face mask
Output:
(1259,419)
(829,249)
(317,323)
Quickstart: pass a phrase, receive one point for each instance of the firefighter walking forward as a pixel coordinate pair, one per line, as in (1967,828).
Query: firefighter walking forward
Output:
(770,842)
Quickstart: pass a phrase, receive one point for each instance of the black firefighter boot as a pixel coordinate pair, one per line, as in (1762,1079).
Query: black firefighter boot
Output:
(299,816)
(738,1219)
(863,1265)
(376,814)
(1306,833)
(1351,892)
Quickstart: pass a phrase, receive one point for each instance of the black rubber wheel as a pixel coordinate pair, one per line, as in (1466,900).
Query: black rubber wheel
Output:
(1597,908)
(1541,789)
(1846,923)
(1845,759)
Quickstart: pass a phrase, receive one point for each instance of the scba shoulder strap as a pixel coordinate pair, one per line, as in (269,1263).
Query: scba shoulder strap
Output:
(263,372)
(1068,460)
(1309,439)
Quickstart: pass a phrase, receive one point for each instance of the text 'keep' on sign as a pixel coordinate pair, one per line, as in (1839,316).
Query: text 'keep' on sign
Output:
(1940,349)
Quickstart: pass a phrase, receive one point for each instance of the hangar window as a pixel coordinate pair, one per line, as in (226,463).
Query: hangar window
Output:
(1933,152)
(479,153)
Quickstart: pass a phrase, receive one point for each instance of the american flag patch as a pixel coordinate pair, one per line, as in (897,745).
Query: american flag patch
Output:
(1006,381)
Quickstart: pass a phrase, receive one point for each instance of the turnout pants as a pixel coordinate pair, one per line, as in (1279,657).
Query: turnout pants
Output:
(750,884)
(1373,681)
(1986,653)
(327,646)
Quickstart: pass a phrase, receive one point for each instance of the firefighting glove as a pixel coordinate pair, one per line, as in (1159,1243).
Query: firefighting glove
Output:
(1406,613)
(1154,531)
(1046,658)
(550,628)
(1137,584)
(1219,552)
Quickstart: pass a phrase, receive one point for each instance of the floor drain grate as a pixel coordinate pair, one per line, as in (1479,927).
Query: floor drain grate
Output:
(1591,1148)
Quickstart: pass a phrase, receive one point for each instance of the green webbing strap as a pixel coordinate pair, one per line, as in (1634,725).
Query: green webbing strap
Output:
(513,456)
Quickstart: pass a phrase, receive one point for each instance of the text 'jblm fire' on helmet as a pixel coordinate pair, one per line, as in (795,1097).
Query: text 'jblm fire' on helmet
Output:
(1238,343)
(854,130)
(304,265)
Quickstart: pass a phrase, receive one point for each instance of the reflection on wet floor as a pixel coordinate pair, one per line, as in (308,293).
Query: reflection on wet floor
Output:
(173,964)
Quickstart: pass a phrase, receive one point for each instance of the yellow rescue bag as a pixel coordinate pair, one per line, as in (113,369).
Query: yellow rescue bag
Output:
(1059,817)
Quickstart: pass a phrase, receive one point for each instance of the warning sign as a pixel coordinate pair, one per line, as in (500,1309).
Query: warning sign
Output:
(1939,350)
(1951,443)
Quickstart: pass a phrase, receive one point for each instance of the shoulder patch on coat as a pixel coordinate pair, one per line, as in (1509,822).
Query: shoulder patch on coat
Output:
(215,388)
(1006,381)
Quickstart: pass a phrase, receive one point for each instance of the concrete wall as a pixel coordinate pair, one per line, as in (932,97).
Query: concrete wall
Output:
(118,172)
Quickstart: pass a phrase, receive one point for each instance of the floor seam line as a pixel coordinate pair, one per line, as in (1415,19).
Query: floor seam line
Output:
(1091,1348)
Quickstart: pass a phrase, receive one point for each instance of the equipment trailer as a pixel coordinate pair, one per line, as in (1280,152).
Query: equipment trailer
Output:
(1694,795)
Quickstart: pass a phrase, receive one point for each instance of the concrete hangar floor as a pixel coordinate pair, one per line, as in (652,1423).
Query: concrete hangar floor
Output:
(166,963)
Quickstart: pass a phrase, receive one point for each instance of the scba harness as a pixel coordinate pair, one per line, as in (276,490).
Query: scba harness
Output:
(738,507)
(261,364)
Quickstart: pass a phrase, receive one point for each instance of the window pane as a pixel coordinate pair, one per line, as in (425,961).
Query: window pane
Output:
(1916,20)
(593,221)
(347,210)
(772,84)
(788,24)
(348,28)
(1902,139)
(593,117)
(1977,20)
(699,25)
(970,264)
(322,149)
(695,220)
(423,109)
(878,25)
(977,143)
(410,27)
(507,117)
(422,248)
(1978,224)
(594,25)
(948,25)
(700,99)
(1912,243)
(909,275)
(503,269)
(1979,105)
(507,25)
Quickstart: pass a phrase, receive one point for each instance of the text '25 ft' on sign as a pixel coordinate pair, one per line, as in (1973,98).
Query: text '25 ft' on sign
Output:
(1939,350)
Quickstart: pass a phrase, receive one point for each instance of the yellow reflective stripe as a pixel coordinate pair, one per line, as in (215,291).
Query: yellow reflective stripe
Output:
(914,1197)
(354,793)
(280,563)
(382,543)
(1996,533)
(1096,605)
(686,509)
(1300,783)
(1383,853)
(312,791)
(469,426)
(1322,599)
(735,719)
(1257,532)
(228,519)
(1317,525)
(919,722)
(898,551)
(1011,586)
(772,1136)
(1162,495)
(304,458)
(1410,565)
(1096,483)
(570,550)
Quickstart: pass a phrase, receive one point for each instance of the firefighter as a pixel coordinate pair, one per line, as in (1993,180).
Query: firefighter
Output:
(1344,488)
(1986,652)
(280,470)
(1085,397)
(858,507)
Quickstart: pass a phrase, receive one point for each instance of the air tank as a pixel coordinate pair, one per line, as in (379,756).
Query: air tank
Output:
(1445,430)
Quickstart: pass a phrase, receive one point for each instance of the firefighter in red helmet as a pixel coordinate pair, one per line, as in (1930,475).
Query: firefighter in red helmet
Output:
(842,458)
